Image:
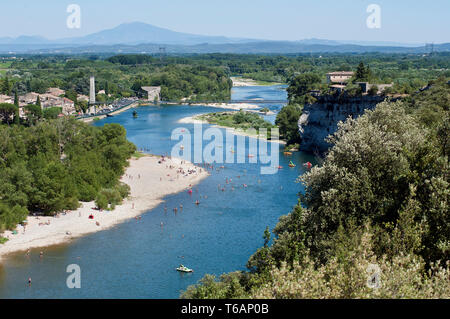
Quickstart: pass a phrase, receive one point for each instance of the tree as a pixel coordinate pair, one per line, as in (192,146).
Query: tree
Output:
(363,74)
(106,88)
(379,165)
(300,86)
(7,112)
(373,90)
(287,122)
(33,113)
(16,98)
(52,112)
(6,86)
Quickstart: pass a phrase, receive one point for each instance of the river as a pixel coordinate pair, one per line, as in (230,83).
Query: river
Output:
(137,259)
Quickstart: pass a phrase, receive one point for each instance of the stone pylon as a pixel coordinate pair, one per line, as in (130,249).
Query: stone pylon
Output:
(92,91)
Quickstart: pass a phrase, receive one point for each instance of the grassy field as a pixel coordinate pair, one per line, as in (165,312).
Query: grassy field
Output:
(3,67)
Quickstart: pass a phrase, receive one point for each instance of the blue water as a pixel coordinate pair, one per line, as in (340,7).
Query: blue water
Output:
(137,259)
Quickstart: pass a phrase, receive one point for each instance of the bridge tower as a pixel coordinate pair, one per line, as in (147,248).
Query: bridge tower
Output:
(92,91)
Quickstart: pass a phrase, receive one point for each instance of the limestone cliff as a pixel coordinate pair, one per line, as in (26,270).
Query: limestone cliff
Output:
(321,118)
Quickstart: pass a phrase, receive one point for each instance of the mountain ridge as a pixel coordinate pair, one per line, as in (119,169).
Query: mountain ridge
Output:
(139,37)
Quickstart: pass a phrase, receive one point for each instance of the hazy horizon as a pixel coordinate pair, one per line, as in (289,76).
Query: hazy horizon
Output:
(409,22)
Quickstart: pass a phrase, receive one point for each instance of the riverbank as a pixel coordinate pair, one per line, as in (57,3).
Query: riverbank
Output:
(195,120)
(242,82)
(230,106)
(102,116)
(149,181)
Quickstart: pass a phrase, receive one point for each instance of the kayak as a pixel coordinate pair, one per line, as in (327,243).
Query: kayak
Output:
(184,269)
(308,165)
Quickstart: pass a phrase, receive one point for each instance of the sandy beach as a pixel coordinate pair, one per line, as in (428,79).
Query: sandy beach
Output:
(149,181)
(195,120)
(238,82)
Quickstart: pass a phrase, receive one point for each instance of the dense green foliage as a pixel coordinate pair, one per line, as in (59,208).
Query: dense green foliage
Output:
(300,86)
(120,76)
(379,198)
(108,198)
(51,165)
(205,77)
(238,120)
(7,112)
(287,122)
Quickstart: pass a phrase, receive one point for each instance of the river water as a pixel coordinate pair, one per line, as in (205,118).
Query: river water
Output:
(137,259)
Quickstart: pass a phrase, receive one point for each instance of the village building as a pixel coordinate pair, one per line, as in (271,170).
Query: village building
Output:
(366,86)
(56,91)
(339,77)
(81,98)
(49,100)
(68,106)
(29,98)
(6,99)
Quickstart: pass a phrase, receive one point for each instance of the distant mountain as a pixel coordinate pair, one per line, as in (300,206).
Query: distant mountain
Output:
(140,37)
(24,40)
(130,34)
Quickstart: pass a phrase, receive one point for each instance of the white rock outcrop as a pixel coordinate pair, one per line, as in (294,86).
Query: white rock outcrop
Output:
(319,120)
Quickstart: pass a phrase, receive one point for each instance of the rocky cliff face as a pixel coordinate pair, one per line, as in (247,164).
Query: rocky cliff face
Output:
(321,118)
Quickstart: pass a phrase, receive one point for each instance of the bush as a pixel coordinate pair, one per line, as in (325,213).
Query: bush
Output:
(11,216)
(347,277)
(108,198)
(287,122)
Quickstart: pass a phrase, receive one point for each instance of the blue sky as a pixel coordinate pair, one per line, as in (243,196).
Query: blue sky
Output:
(401,20)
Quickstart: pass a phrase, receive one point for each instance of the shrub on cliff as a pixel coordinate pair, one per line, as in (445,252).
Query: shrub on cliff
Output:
(358,273)
(287,122)
(383,167)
